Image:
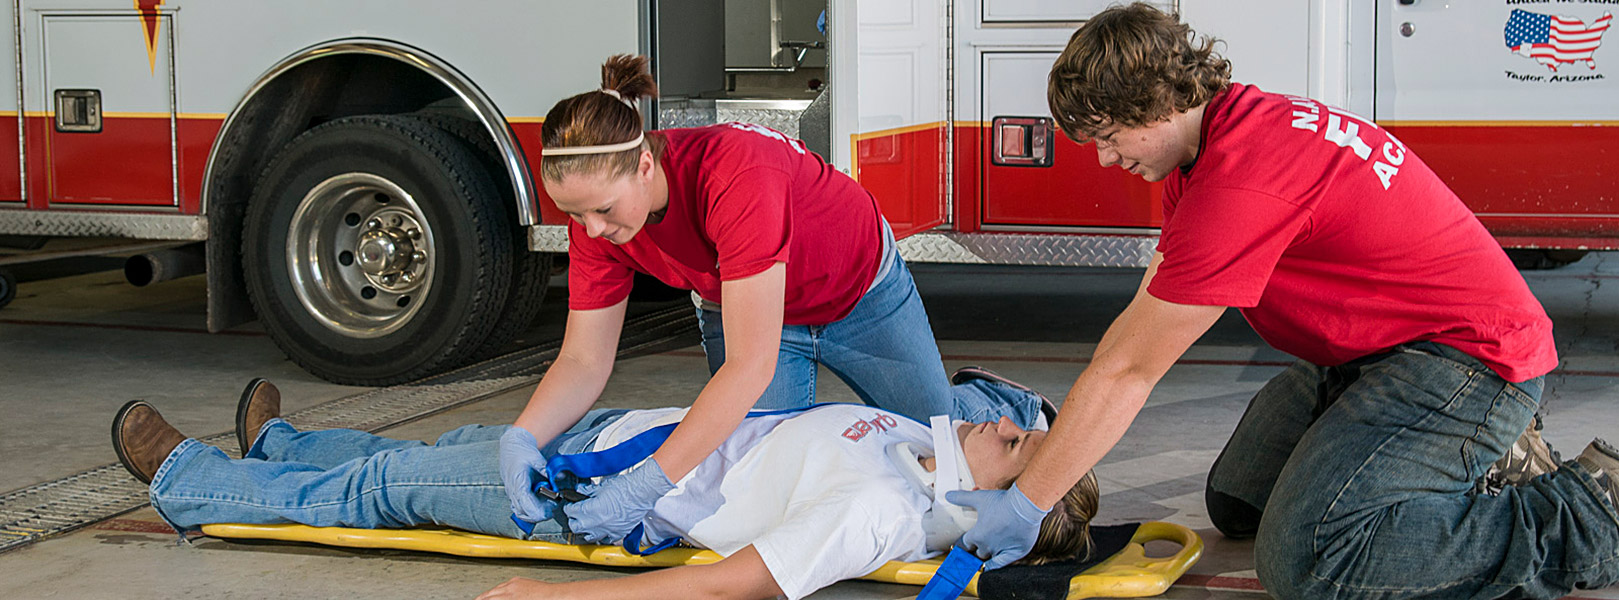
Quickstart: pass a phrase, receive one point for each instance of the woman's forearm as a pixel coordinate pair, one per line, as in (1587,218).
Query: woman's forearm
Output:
(562,398)
(718,410)
(576,379)
(753,321)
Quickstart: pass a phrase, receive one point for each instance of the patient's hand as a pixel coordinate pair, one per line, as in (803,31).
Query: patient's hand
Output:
(518,587)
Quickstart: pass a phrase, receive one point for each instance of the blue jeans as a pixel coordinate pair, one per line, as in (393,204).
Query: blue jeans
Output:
(347,478)
(884,350)
(1360,482)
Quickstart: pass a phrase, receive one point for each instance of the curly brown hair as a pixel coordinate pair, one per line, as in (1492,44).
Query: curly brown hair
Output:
(596,118)
(1132,66)
(1066,530)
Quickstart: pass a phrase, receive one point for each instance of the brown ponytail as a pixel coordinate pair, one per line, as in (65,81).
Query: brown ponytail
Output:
(596,118)
(1066,530)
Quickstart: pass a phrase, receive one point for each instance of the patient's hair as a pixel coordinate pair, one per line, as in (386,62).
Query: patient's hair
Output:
(1066,530)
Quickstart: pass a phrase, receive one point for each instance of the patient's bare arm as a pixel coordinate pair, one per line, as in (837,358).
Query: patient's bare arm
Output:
(742,575)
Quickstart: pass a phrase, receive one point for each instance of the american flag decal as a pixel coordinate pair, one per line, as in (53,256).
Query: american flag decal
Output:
(1554,41)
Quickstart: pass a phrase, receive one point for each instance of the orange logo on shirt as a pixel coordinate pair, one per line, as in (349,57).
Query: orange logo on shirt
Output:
(149,25)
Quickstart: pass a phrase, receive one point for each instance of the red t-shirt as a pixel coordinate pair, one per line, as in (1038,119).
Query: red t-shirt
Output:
(742,197)
(1337,243)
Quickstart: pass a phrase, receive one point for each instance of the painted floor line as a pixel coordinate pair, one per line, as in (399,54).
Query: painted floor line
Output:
(154,328)
(1196,361)
(1250,584)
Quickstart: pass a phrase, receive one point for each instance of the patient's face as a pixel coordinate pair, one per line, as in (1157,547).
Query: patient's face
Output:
(997,452)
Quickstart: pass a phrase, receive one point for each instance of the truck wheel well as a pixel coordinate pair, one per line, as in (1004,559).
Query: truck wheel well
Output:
(296,100)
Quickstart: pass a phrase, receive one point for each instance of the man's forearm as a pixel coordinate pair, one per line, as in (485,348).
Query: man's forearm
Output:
(1098,410)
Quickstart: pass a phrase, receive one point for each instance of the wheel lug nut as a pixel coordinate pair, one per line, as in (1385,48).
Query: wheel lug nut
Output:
(414,234)
(406,277)
(374,224)
(418,256)
(388,279)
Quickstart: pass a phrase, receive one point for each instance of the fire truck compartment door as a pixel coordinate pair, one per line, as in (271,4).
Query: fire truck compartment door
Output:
(131,160)
(1067,187)
(898,144)
(10,158)
(1048,11)
(1511,104)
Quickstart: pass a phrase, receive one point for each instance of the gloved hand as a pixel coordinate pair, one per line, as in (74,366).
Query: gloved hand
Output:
(520,460)
(619,503)
(1008,524)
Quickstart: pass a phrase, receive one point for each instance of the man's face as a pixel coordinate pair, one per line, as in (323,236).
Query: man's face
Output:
(1149,151)
(997,452)
(609,207)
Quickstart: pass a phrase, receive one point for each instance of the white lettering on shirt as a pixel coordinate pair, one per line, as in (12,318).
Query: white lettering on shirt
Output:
(1309,117)
(769,133)
(1343,129)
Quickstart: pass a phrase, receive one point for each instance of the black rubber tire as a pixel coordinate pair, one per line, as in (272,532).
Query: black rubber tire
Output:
(8,287)
(531,271)
(1538,260)
(471,261)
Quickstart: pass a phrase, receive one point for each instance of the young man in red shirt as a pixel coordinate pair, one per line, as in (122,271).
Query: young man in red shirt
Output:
(1421,349)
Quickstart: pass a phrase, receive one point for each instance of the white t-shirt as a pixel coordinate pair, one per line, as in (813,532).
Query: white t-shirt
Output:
(813,491)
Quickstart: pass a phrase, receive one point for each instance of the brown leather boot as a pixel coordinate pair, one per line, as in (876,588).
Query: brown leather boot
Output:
(143,439)
(260,402)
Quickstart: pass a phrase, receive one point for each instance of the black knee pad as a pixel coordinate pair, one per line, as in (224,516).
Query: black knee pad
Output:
(1234,517)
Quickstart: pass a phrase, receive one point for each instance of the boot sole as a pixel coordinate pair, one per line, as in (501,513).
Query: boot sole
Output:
(241,413)
(118,439)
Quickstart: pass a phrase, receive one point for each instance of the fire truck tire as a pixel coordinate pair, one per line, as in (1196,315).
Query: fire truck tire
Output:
(531,271)
(8,288)
(376,250)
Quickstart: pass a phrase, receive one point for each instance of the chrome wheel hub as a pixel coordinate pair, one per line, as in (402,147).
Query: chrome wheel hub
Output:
(360,254)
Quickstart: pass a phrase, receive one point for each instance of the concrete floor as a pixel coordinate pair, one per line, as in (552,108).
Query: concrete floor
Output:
(74,348)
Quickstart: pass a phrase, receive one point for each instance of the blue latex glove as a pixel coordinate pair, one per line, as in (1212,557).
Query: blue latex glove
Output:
(520,460)
(619,503)
(1008,524)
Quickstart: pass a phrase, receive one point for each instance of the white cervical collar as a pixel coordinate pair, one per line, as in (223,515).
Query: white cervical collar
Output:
(944,523)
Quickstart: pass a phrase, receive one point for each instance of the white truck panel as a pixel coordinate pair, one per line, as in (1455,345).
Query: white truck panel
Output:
(901,67)
(1047,11)
(129,81)
(524,54)
(1455,66)
(1267,41)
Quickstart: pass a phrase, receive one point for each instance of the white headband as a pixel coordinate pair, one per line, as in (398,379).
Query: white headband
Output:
(601,149)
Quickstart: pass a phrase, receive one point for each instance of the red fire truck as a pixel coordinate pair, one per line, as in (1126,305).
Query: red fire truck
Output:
(359,175)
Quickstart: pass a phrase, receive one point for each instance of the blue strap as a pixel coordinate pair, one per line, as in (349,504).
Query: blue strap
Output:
(626,454)
(953,576)
(617,459)
(632,542)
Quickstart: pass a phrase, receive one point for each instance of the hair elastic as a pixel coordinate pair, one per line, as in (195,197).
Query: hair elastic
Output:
(620,97)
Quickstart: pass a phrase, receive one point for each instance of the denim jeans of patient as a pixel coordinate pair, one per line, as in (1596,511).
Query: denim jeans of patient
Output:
(1360,481)
(348,478)
(885,351)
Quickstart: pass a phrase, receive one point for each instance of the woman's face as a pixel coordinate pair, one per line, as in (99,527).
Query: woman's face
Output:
(614,208)
(997,452)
